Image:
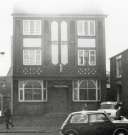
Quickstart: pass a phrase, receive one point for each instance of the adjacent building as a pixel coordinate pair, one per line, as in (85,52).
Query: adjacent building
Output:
(5,93)
(119,77)
(58,63)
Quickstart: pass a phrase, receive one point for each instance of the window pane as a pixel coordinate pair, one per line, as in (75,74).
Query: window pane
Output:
(83,94)
(54,31)
(32,42)
(80,28)
(54,49)
(37,57)
(26,27)
(80,57)
(64,33)
(21,95)
(92,57)
(45,94)
(64,54)
(98,94)
(86,43)
(75,94)
(92,28)
(118,66)
(32,57)
(28,85)
(97,118)
(37,94)
(37,27)
(28,94)
(86,28)
(79,118)
(83,84)
(92,84)
(91,94)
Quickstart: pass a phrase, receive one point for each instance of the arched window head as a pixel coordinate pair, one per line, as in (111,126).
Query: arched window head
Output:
(54,31)
(32,84)
(83,84)
(64,34)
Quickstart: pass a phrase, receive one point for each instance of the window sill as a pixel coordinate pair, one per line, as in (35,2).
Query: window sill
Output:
(32,101)
(87,101)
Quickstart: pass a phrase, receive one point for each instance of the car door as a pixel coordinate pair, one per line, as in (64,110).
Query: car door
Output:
(85,128)
(100,124)
(79,123)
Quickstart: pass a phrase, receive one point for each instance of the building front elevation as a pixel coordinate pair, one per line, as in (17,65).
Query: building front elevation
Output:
(58,63)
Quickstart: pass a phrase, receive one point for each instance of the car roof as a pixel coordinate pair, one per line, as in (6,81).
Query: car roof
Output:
(109,102)
(87,112)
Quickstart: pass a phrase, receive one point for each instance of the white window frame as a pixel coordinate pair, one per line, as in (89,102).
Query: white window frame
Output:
(23,91)
(64,42)
(28,23)
(98,97)
(118,74)
(57,28)
(89,63)
(88,22)
(28,48)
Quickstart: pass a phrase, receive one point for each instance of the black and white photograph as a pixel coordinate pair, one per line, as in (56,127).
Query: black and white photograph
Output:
(63,67)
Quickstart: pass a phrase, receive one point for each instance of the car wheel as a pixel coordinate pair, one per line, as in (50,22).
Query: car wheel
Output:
(121,132)
(71,133)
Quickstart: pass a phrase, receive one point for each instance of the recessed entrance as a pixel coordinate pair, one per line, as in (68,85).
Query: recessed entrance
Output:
(58,98)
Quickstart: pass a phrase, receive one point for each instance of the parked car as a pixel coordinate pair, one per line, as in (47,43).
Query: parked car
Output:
(93,123)
(110,108)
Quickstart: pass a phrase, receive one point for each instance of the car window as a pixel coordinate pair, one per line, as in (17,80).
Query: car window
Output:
(97,118)
(79,118)
(107,106)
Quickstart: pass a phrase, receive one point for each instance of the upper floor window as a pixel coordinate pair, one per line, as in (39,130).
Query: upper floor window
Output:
(86,90)
(32,90)
(59,32)
(119,66)
(64,43)
(31,51)
(54,41)
(86,28)
(86,57)
(31,27)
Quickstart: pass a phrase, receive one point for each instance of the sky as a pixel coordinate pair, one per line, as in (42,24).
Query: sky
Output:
(116,22)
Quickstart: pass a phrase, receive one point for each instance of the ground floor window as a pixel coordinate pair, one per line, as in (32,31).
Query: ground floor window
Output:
(32,90)
(86,90)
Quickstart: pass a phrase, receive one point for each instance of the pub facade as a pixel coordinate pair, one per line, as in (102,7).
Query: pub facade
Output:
(58,63)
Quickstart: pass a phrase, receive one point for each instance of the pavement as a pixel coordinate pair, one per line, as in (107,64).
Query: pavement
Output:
(46,124)
(28,129)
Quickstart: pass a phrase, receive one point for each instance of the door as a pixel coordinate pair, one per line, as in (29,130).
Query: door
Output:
(58,99)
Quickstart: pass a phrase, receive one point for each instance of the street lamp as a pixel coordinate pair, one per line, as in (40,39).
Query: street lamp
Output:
(2,53)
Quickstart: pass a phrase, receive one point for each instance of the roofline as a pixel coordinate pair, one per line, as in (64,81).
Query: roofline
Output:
(59,15)
(119,53)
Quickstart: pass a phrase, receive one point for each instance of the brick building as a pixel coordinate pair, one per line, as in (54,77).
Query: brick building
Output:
(58,62)
(119,77)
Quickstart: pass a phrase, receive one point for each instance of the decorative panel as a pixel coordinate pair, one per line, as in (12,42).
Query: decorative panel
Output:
(29,70)
(86,71)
